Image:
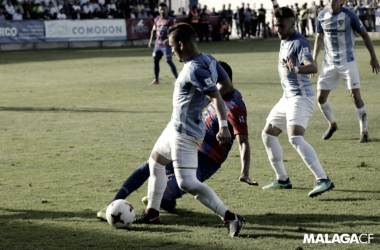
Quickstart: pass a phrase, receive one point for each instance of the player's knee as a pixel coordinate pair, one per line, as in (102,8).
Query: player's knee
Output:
(296,140)
(321,99)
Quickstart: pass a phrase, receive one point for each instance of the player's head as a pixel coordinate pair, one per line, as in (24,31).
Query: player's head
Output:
(285,22)
(182,40)
(334,5)
(163,9)
(226,68)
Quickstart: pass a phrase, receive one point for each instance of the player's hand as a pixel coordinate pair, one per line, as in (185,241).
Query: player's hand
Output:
(248,181)
(223,136)
(288,63)
(375,65)
(312,75)
(150,45)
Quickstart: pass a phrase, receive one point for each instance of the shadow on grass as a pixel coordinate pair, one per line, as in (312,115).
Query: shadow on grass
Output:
(84,110)
(345,190)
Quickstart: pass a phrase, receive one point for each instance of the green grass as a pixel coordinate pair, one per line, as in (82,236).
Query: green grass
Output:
(75,123)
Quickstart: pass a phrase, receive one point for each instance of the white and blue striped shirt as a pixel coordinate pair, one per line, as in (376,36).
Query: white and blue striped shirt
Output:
(339,34)
(298,49)
(198,76)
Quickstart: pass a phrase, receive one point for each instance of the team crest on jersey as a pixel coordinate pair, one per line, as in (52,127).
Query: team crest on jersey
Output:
(340,21)
(209,82)
(306,51)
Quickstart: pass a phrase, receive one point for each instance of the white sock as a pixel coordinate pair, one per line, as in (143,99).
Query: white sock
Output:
(309,156)
(327,111)
(274,152)
(156,184)
(188,182)
(362,116)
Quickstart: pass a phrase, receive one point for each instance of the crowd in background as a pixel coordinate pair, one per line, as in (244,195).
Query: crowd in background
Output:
(248,22)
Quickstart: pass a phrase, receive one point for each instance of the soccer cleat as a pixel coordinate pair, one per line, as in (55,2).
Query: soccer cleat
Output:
(234,226)
(330,131)
(364,137)
(278,184)
(145,218)
(102,214)
(321,186)
(144,201)
(154,82)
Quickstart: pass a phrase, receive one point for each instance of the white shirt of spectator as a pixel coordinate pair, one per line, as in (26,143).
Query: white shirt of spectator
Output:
(83,2)
(111,6)
(76,7)
(9,9)
(87,9)
(101,2)
(53,10)
(95,6)
(16,16)
(61,16)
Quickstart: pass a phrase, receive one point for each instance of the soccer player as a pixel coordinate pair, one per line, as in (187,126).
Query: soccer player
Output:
(336,27)
(179,141)
(210,153)
(291,114)
(161,47)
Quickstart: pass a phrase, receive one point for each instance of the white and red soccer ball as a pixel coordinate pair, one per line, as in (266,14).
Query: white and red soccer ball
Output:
(120,213)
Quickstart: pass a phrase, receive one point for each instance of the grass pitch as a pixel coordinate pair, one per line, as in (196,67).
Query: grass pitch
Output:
(75,123)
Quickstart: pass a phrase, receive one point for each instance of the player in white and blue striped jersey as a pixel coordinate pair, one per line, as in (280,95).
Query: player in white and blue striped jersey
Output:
(195,86)
(336,27)
(291,114)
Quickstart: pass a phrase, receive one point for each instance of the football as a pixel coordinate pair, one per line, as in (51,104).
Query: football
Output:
(120,213)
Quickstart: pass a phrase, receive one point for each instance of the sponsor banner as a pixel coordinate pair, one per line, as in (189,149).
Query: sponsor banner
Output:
(22,31)
(138,29)
(85,30)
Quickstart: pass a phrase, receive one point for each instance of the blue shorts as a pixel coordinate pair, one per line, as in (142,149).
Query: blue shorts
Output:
(159,51)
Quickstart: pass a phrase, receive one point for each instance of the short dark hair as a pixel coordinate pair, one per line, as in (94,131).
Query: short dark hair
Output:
(226,68)
(283,12)
(182,32)
(162,4)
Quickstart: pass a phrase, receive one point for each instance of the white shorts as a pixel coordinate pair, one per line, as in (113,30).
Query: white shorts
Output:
(292,111)
(178,147)
(330,74)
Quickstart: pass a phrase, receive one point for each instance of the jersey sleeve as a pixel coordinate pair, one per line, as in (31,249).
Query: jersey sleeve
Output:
(302,50)
(356,24)
(222,75)
(202,80)
(237,117)
(171,22)
(319,26)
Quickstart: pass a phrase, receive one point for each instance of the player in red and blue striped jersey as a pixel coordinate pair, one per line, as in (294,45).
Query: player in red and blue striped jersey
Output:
(210,153)
(161,46)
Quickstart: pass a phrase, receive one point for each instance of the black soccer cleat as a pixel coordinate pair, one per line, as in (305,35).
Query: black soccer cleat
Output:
(330,131)
(364,137)
(234,226)
(145,218)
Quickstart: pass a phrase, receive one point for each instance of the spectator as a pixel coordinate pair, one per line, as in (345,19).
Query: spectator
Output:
(194,19)
(368,13)
(53,10)
(241,21)
(247,23)
(224,30)
(237,21)
(139,6)
(313,15)
(2,16)
(77,15)
(28,8)
(19,7)
(76,6)
(95,5)
(97,14)
(17,15)
(67,7)
(87,11)
(61,15)
(254,21)
(9,10)
(133,13)
(360,12)
(102,4)
(83,2)
(296,14)
(37,12)
(204,22)
(303,19)
(229,14)
(213,12)
(261,21)
(142,14)
(249,9)
(111,8)
(46,15)
(223,13)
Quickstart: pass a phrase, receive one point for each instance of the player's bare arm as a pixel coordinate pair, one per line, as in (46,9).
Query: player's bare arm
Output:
(245,156)
(224,135)
(150,44)
(368,43)
(224,86)
(309,67)
(318,44)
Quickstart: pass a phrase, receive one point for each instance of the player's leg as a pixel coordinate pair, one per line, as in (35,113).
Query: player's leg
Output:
(351,81)
(327,81)
(168,57)
(185,166)
(276,123)
(298,115)
(157,55)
